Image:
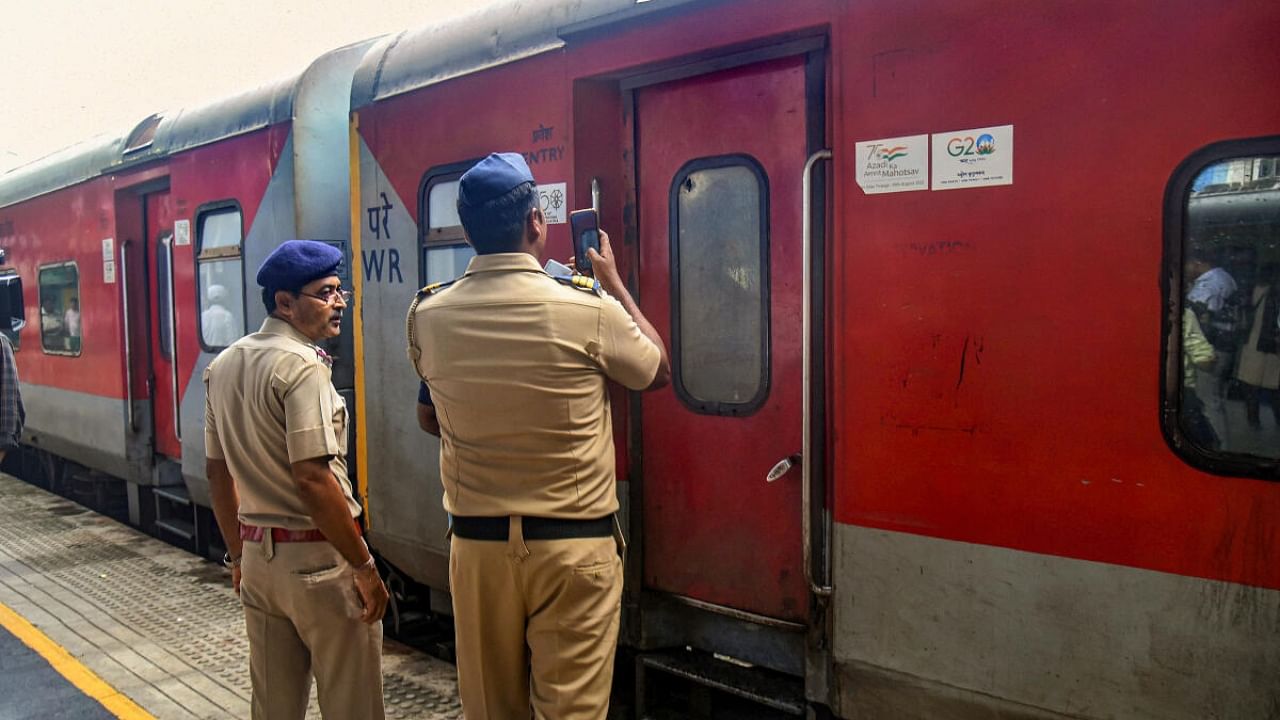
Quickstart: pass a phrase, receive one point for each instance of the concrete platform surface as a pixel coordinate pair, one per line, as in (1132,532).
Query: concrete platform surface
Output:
(156,623)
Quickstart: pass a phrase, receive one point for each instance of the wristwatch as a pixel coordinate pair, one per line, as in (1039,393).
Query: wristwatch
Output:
(230,562)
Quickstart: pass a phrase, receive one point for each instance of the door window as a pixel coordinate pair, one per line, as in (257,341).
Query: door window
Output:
(445,251)
(221,266)
(720,284)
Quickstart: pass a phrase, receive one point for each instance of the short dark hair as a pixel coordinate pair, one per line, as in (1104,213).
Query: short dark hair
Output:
(497,226)
(269,297)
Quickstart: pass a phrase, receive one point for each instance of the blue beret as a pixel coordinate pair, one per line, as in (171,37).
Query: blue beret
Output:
(492,177)
(297,262)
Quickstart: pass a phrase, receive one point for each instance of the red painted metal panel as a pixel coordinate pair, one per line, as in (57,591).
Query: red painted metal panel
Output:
(134,267)
(1053,281)
(714,529)
(997,350)
(455,121)
(237,169)
(69,226)
(159,224)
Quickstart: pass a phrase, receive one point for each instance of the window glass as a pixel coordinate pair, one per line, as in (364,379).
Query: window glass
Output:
(60,309)
(442,205)
(445,252)
(1230,289)
(220,229)
(720,268)
(221,302)
(221,267)
(445,262)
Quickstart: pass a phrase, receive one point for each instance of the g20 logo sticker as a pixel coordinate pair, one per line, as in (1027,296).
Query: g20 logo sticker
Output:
(974,157)
(965,146)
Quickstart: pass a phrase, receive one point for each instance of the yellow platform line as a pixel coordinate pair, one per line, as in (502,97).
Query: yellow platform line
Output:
(76,673)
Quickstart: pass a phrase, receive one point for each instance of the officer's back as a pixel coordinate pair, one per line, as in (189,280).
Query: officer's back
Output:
(521,361)
(514,366)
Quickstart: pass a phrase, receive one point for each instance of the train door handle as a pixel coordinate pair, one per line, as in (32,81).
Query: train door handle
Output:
(819,583)
(167,241)
(782,467)
(128,350)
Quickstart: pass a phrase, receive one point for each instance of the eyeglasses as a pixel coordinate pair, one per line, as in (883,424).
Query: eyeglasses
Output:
(330,295)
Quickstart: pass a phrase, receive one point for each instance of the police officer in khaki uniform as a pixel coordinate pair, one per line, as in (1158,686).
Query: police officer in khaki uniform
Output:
(275,438)
(515,365)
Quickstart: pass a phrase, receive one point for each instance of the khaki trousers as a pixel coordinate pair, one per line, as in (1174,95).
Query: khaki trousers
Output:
(536,625)
(302,615)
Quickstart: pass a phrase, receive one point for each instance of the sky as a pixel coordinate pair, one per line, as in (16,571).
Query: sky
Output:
(72,69)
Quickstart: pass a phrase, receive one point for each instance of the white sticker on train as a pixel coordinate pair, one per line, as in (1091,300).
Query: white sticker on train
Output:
(555,202)
(893,164)
(109,260)
(973,158)
(182,232)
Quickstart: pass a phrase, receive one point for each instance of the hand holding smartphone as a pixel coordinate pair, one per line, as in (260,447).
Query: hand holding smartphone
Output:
(585,226)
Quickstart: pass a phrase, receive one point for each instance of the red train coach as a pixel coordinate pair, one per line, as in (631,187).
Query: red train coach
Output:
(933,448)
(132,253)
(966,421)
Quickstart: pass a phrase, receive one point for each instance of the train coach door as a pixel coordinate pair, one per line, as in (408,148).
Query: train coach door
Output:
(159,239)
(720,162)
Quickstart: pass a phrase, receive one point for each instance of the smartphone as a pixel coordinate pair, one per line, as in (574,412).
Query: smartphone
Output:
(555,267)
(585,226)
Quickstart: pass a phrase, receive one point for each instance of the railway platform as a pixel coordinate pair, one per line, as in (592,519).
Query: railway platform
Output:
(98,620)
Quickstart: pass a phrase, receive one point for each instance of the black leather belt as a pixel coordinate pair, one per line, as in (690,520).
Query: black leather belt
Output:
(533,528)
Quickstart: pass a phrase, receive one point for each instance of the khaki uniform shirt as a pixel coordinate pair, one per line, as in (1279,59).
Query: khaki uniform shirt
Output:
(270,402)
(517,364)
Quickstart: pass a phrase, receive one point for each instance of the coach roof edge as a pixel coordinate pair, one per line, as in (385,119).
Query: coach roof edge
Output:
(59,169)
(492,36)
(184,129)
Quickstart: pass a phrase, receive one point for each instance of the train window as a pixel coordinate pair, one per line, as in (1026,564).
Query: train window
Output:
(60,308)
(1224,213)
(221,265)
(442,207)
(720,284)
(445,252)
(445,262)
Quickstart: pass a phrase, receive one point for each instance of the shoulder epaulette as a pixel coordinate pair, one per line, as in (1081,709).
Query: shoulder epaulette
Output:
(434,288)
(415,353)
(580,282)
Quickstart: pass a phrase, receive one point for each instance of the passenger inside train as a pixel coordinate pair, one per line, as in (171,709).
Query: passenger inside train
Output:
(1229,284)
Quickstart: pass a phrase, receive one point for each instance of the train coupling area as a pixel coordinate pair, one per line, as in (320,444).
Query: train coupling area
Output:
(100,621)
